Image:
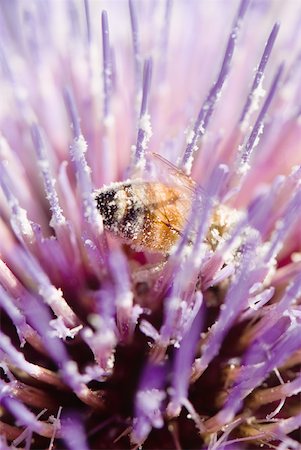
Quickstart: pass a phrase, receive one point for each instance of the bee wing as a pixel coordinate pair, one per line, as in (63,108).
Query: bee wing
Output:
(171,175)
(168,173)
(170,190)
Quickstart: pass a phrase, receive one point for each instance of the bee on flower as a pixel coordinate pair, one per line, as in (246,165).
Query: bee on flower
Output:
(150,247)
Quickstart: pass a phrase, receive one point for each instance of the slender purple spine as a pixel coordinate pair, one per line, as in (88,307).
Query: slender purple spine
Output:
(207,108)
(31,35)
(88,21)
(72,112)
(74,433)
(73,14)
(136,44)
(289,217)
(164,38)
(260,71)
(78,150)
(106,53)
(245,155)
(51,193)
(147,72)
(20,224)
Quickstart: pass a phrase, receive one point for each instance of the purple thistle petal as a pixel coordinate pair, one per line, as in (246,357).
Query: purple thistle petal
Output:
(102,343)
(88,21)
(283,307)
(183,359)
(223,274)
(18,89)
(144,127)
(126,313)
(259,124)
(31,37)
(63,230)
(15,315)
(21,413)
(107,69)
(19,221)
(3,441)
(207,108)
(180,303)
(57,218)
(136,47)
(16,358)
(213,191)
(248,107)
(148,402)
(51,295)
(103,340)
(286,426)
(260,211)
(283,226)
(74,434)
(75,120)
(150,331)
(235,300)
(261,358)
(40,320)
(285,390)
(78,149)
(179,315)
(164,39)
(107,334)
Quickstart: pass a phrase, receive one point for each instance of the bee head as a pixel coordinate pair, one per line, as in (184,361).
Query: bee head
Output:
(107,205)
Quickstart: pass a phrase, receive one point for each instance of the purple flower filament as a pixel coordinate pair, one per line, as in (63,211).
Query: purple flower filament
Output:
(161,310)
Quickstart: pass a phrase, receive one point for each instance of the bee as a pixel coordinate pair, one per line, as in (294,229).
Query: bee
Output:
(148,214)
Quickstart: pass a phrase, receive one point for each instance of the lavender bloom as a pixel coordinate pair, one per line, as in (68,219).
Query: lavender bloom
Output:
(106,346)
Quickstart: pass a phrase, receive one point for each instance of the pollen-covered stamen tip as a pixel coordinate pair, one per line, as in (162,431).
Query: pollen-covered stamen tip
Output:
(20,223)
(78,150)
(49,182)
(144,126)
(148,402)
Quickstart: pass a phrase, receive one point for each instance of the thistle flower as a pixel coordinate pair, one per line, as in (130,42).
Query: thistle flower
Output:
(104,346)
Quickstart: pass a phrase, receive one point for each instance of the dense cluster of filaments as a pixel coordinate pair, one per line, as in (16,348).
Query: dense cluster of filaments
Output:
(162,311)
